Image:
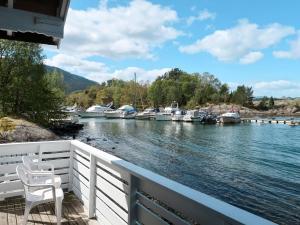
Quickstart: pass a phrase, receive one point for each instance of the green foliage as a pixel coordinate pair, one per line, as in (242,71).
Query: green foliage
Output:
(117,91)
(72,82)
(243,96)
(263,104)
(189,90)
(271,103)
(25,89)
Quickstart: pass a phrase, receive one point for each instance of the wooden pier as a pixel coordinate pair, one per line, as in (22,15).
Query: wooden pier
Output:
(271,121)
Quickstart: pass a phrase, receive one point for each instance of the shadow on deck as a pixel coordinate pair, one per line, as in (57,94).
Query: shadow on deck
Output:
(12,209)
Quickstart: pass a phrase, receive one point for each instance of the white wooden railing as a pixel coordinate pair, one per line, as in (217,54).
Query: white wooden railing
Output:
(117,192)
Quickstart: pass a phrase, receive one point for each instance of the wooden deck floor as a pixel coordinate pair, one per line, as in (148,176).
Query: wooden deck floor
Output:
(12,209)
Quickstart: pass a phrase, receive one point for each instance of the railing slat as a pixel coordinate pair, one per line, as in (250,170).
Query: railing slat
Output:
(101,219)
(9,186)
(81,159)
(81,178)
(114,193)
(154,207)
(108,213)
(119,184)
(116,208)
(81,168)
(146,217)
(84,190)
(116,171)
(92,186)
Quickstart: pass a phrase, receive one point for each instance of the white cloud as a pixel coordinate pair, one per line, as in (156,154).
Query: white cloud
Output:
(99,72)
(275,88)
(278,85)
(294,51)
(202,15)
(236,42)
(251,57)
(133,30)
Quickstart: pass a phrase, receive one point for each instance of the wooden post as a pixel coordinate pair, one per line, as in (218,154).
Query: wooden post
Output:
(71,167)
(92,187)
(132,212)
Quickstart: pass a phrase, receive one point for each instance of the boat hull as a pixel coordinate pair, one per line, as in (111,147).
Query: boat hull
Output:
(192,119)
(177,118)
(229,120)
(91,114)
(163,117)
(145,116)
(128,116)
(113,115)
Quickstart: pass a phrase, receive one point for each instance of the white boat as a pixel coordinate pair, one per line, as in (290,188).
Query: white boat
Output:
(230,117)
(96,111)
(147,114)
(167,113)
(193,116)
(178,115)
(70,110)
(124,112)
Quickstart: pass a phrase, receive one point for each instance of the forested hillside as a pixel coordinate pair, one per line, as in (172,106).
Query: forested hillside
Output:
(72,82)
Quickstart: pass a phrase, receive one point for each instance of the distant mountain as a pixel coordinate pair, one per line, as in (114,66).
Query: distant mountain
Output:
(73,82)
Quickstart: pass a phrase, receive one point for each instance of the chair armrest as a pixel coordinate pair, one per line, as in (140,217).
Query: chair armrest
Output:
(44,186)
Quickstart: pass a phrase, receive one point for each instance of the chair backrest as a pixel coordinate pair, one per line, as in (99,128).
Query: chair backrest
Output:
(30,162)
(24,177)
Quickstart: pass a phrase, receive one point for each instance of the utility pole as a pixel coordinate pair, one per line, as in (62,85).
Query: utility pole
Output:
(134,103)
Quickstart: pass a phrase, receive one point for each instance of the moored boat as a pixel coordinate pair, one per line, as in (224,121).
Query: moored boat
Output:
(178,115)
(124,112)
(167,113)
(230,117)
(193,116)
(147,114)
(96,111)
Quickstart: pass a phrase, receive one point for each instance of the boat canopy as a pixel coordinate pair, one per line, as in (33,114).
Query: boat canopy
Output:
(126,108)
(96,108)
(33,20)
(194,113)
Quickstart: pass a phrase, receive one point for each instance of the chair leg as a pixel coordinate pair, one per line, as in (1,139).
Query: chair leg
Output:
(58,210)
(28,206)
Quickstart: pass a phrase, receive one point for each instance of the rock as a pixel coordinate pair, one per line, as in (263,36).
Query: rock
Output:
(23,131)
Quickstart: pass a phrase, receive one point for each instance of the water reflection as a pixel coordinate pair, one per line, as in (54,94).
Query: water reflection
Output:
(254,167)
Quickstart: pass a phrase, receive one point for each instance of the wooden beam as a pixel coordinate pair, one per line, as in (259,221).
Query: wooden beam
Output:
(24,21)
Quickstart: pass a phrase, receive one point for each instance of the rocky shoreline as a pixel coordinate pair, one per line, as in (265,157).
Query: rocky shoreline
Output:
(289,111)
(20,130)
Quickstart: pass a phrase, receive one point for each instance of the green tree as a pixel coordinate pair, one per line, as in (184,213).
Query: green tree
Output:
(263,104)
(243,96)
(271,103)
(25,88)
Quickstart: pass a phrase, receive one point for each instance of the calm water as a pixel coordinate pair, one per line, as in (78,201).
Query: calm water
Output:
(255,167)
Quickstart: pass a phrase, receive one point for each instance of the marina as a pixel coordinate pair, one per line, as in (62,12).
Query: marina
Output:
(248,165)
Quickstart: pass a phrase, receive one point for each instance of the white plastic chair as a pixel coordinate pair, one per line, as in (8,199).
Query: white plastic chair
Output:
(44,170)
(38,193)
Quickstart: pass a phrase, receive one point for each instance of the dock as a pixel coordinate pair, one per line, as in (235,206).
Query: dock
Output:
(271,121)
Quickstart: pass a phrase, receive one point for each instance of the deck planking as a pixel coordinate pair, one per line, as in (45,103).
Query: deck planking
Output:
(12,210)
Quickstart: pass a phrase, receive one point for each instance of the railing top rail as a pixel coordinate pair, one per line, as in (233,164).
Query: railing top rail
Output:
(33,143)
(219,207)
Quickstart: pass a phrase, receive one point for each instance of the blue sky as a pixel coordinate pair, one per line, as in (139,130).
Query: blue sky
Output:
(250,42)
